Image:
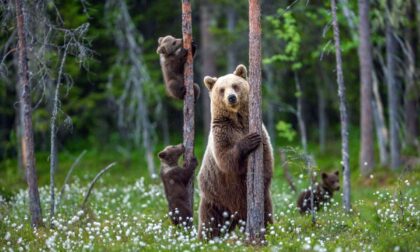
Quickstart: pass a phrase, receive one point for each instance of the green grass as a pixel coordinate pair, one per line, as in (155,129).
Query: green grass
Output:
(127,210)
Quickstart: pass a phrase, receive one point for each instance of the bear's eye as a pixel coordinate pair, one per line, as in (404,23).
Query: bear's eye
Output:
(222,90)
(173,43)
(235,87)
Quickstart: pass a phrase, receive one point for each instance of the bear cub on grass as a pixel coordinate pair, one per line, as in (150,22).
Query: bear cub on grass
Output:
(175,181)
(323,193)
(172,59)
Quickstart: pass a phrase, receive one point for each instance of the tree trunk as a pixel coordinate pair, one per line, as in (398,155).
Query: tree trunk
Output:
(411,95)
(299,114)
(207,59)
(343,112)
(255,183)
(231,52)
(322,118)
(393,93)
(366,158)
(26,110)
(380,124)
(188,130)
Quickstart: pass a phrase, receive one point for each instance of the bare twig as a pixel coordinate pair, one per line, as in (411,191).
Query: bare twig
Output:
(92,183)
(63,188)
(286,171)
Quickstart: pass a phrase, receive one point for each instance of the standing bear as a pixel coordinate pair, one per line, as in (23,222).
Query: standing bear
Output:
(222,176)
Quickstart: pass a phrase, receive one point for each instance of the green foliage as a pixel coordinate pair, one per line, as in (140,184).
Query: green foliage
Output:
(285,130)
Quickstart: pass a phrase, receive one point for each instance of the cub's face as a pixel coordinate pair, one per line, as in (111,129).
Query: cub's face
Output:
(171,153)
(168,45)
(229,91)
(331,180)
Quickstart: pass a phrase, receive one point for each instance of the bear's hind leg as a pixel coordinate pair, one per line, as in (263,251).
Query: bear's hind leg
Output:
(210,220)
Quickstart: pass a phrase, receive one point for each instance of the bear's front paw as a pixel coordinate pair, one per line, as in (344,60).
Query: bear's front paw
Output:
(249,143)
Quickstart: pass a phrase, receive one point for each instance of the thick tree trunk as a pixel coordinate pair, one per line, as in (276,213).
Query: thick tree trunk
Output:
(366,158)
(208,66)
(188,130)
(411,96)
(343,112)
(27,134)
(255,183)
(393,94)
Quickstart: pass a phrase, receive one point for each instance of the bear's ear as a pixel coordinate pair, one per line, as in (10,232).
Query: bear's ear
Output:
(209,82)
(162,154)
(241,71)
(161,50)
(160,40)
(336,172)
(324,175)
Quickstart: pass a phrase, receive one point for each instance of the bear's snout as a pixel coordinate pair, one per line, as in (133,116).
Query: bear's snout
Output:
(232,99)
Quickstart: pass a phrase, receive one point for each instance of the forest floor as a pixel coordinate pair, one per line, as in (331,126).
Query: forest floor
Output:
(127,211)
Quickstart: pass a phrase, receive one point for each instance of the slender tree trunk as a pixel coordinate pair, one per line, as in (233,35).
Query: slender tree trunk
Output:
(411,106)
(366,158)
(188,130)
(286,171)
(343,112)
(378,116)
(25,106)
(207,59)
(231,52)
(255,183)
(271,108)
(299,114)
(322,118)
(393,94)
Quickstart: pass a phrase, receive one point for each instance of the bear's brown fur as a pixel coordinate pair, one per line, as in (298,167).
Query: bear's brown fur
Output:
(172,59)
(222,176)
(175,181)
(322,194)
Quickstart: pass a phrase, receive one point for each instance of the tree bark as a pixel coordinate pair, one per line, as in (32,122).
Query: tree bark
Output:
(411,96)
(380,124)
(343,112)
(207,60)
(255,185)
(26,110)
(393,93)
(322,118)
(299,114)
(230,26)
(188,130)
(366,158)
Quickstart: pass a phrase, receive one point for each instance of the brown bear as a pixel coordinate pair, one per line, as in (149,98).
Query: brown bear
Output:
(322,194)
(175,181)
(222,176)
(172,59)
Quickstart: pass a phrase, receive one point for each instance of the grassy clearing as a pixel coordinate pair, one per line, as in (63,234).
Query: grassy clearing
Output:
(127,211)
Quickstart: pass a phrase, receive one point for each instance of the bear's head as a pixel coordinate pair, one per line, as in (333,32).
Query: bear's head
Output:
(171,154)
(229,92)
(168,45)
(331,180)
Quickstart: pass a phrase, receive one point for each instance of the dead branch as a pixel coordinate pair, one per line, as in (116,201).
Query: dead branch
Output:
(92,183)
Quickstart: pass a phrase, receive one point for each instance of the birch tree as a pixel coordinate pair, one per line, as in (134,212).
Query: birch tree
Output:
(255,185)
(343,111)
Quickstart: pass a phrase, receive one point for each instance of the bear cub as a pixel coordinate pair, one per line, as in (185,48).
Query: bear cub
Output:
(172,59)
(323,192)
(175,181)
